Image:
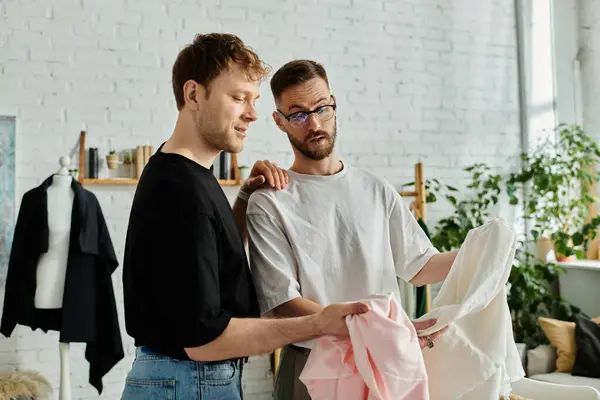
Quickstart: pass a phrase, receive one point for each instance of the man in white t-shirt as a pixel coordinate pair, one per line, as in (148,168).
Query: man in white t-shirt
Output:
(337,233)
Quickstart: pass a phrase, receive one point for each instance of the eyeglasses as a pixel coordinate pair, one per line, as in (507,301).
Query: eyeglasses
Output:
(300,119)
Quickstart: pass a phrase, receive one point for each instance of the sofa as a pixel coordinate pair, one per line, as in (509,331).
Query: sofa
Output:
(541,366)
(553,369)
(531,389)
(544,383)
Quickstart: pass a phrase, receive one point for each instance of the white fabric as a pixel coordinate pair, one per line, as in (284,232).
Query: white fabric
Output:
(332,239)
(477,357)
(564,378)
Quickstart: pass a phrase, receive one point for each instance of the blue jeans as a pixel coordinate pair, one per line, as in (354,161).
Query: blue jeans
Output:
(154,376)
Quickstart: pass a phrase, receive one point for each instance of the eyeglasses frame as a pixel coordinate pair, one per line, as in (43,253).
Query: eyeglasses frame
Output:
(288,117)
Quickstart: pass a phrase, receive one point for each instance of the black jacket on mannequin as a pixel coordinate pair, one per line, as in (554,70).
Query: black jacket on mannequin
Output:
(89,313)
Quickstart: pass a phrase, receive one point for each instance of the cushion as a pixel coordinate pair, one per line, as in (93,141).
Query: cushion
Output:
(561,335)
(515,397)
(565,378)
(587,339)
(541,360)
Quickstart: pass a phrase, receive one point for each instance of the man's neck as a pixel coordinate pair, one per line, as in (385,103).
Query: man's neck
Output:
(186,142)
(330,165)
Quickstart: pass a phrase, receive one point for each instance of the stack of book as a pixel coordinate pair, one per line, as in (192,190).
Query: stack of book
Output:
(223,168)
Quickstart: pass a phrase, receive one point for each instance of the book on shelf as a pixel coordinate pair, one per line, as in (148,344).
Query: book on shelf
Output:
(223,168)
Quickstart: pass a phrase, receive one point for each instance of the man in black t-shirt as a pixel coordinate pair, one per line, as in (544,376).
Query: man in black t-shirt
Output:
(190,303)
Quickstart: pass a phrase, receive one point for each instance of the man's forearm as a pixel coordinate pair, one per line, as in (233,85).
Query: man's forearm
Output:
(297,307)
(239,211)
(436,269)
(248,337)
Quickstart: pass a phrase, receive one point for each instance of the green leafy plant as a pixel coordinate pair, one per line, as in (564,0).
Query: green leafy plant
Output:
(556,176)
(469,212)
(530,283)
(530,296)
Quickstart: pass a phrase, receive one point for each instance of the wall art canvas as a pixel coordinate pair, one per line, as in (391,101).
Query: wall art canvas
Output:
(7,188)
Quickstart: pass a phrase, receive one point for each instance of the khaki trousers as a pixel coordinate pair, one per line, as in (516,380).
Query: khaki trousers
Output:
(288,385)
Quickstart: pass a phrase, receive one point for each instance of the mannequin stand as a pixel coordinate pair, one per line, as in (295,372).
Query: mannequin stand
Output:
(65,372)
(52,265)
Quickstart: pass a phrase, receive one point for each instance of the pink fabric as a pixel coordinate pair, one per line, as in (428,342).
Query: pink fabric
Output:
(382,360)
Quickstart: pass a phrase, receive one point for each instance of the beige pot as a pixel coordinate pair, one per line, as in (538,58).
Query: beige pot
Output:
(544,247)
(546,251)
(112,161)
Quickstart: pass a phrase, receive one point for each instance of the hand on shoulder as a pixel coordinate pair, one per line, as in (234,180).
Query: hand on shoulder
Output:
(266,173)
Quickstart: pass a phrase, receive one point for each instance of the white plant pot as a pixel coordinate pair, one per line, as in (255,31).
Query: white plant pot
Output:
(244,173)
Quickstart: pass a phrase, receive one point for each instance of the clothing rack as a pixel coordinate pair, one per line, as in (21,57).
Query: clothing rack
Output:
(418,207)
(420,193)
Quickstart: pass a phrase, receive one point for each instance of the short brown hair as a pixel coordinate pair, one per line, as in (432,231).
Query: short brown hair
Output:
(209,55)
(294,73)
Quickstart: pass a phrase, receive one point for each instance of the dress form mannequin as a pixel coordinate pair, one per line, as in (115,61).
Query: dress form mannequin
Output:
(52,266)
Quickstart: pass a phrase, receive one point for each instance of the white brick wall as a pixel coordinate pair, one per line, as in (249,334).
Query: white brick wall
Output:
(415,80)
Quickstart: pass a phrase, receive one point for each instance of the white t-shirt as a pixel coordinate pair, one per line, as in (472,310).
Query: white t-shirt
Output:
(332,239)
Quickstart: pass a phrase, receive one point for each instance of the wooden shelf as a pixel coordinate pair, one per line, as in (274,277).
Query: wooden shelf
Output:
(134,181)
(113,181)
(229,182)
(129,181)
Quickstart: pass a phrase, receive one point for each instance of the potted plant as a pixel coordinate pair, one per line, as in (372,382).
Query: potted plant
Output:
(469,212)
(531,281)
(244,172)
(112,159)
(531,295)
(556,176)
(127,157)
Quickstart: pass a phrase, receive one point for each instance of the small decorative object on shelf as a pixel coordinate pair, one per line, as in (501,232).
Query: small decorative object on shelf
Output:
(244,172)
(93,164)
(139,161)
(231,177)
(112,159)
(148,151)
(226,170)
(127,157)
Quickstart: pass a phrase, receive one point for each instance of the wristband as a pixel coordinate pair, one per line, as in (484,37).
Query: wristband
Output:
(243,195)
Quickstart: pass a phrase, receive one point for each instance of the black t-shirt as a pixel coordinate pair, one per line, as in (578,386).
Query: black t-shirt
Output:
(185,272)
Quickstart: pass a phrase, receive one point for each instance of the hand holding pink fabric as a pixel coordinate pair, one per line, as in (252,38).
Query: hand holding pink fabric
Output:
(382,359)
(476,359)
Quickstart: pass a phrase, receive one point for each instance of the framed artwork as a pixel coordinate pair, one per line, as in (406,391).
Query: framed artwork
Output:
(7,187)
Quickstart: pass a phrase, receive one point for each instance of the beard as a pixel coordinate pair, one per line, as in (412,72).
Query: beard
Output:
(322,151)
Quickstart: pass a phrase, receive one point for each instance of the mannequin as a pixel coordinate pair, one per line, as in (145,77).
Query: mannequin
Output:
(59,275)
(52,266)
